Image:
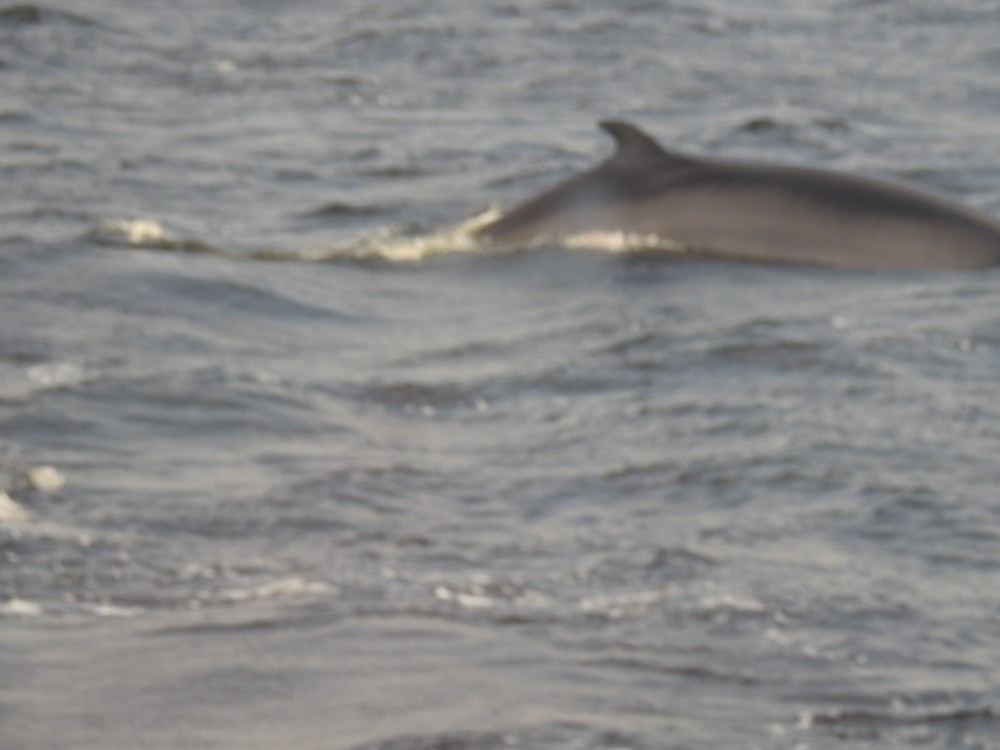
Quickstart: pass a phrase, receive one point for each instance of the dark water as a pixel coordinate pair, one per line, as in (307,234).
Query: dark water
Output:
(290,467)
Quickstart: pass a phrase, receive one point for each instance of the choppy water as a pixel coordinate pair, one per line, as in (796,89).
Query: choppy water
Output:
(335,478)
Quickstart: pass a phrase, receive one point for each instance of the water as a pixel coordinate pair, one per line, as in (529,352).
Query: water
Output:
(290,463)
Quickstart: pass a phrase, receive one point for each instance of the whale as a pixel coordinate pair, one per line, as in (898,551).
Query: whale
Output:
(768,213)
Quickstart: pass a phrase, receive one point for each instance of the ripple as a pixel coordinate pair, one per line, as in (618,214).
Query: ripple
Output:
(339,209)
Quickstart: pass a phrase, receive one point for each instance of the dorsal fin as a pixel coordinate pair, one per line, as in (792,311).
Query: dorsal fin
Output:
(633,146)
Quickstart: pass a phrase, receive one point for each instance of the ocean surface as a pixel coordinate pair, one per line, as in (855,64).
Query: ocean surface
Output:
(288,462)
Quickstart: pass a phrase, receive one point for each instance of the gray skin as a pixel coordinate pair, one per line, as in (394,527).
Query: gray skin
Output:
(754,212)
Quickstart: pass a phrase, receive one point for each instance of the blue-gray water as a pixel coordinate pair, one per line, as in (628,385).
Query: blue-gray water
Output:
(334,480)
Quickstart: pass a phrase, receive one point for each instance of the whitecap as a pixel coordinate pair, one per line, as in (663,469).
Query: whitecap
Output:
(15,607)
(133,232)
(44,478)
(10,511)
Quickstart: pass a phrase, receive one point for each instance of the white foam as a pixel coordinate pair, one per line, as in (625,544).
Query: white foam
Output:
(475,599)
(290,587)
(10,511)
(621,606)
(44,479)
(284,588)
(391,246)
(134,232)
(110,610)
(462,238)
(20,608)
(56,374)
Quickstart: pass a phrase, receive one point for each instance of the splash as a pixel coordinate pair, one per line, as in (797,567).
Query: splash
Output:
(391,246)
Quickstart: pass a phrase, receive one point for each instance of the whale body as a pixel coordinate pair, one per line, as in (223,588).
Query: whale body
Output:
(753,212)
